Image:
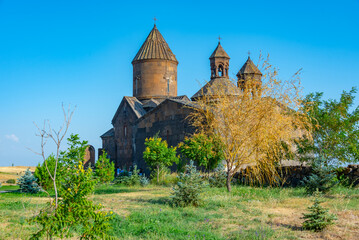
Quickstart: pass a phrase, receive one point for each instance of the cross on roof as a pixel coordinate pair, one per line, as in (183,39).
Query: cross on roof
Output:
(219,39)
(249,53)
(155,19)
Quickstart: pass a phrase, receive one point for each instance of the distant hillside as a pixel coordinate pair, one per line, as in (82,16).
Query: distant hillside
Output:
(15,172)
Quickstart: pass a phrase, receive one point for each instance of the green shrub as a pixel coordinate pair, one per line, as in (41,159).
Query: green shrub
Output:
(144,181)
(130,178)
(75,212)
(105,170)
(158,155)
(27,183)
(189,187)
(318,217)
(219,177)
(11,181)
(322,178)
(42,175)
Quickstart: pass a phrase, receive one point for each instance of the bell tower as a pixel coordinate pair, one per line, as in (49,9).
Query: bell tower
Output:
(219,62)
(249,72)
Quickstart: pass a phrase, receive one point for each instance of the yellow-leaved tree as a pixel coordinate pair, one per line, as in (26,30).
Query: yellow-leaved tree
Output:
(258,120)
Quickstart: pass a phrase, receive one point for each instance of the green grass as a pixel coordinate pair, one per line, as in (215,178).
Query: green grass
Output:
(245,213)
(9,188)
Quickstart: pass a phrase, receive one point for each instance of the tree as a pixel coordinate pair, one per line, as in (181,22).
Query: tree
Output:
(27,183)
(105,170)
(189,187)
(206,151)
(322,178)
(158,154)
(47,132)
(75,212)
(252,122)
(318,217)
(335,129)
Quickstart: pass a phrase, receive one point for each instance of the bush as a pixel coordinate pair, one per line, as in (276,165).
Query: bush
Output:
(189,187)
(322,178)
(219,177)
(318,217)
(130,178)
(144,181)
(158,155)
(165,176)
(11,181)
(42,175)
(105,170)
(27,183)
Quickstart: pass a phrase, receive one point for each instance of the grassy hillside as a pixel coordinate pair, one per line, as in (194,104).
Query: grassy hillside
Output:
(15,172)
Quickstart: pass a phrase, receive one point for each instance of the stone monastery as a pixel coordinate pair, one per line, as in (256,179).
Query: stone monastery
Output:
(155,106)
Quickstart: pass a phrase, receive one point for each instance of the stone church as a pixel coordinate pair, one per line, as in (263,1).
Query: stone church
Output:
(154,106)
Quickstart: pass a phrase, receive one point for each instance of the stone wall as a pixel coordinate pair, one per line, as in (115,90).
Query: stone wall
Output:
(294,175)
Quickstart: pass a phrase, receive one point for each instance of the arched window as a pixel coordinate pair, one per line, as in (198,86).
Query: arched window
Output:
(220,70)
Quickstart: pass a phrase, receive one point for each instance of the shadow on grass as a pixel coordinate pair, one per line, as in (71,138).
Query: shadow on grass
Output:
(290,226)
(158,201)
(114,190)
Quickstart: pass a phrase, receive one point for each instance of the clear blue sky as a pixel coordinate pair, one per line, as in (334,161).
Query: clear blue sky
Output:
(80,53)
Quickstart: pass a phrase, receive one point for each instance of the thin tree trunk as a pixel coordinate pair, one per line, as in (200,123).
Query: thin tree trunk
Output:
(158,174)
(228,182)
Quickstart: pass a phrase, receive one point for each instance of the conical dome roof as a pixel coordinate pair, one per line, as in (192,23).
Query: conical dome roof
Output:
(249,67)
(155,47)
(219,52)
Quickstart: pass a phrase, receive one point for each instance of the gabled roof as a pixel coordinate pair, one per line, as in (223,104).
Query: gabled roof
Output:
(249,67)
(155,47)
(219,52)
(109,133)
(181,98)
(135,106)
(218,82)
(151,103)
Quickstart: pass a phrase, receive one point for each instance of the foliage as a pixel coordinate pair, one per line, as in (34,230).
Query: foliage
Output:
(144,181)
(42,175)
(205,150)
(335,129)
(318,217)
(105,170)
(219,177)
(189,187)
(133,177)
(74,212)
(11,181)
(158,154)
(129,178)
(253,122)
(322,178)
(27,183)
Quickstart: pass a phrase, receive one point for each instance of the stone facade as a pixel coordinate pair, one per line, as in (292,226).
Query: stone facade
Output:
(155,106)
(89,156)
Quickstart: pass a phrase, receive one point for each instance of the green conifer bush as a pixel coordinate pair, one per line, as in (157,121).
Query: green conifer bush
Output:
(322,178)
(105,170)
(189,187)
(219,177)
(28,183)
(318,217)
